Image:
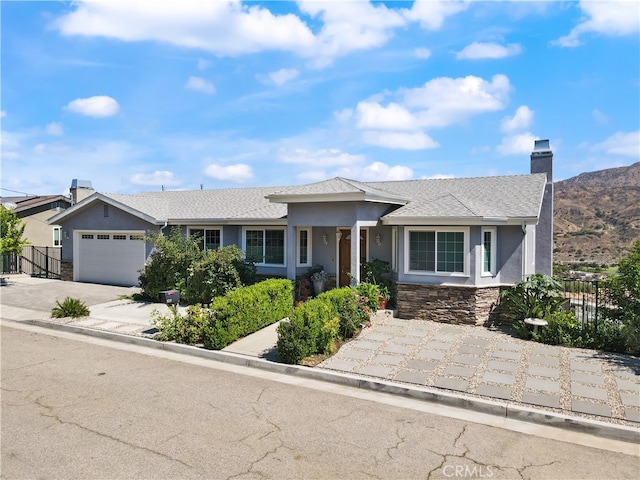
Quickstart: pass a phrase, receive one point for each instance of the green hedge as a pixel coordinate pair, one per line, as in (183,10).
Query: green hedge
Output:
(247,310)
(316,324)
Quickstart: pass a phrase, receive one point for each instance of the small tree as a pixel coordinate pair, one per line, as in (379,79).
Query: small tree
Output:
(11,232)
(623,292)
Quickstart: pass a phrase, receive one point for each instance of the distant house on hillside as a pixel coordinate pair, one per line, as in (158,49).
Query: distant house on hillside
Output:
(452,243)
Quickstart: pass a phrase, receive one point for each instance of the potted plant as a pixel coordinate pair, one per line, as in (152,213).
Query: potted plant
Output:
(384,296)
(319,279)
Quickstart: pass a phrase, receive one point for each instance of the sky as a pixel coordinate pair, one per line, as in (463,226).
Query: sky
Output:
(143,95)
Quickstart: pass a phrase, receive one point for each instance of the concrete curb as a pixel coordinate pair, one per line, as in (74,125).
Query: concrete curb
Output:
(503,409)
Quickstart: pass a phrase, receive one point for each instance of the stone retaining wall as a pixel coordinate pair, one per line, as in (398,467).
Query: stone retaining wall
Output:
(446,304)
(66,271)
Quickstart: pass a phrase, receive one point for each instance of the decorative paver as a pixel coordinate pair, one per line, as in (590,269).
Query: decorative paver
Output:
(544,360)
(494,377)
(587,378)
(445,337)
(630,399)
(435,345)
(624,384)
(586,367)
(542,371)
(432,354)
(401,349)
(506,354)
(494,391)
(342,365)
(468,349)
(419,378)
(376,371)
(632,415)
(355,353)
(512,347)
(503,366)
(591,408)
(543,399)
(546,351)
(421,365)
(466,360)
(588,391)
(452,384)
(367,345)
(479,341)
(459,371)
(544,385)
(407,340)
(379,336)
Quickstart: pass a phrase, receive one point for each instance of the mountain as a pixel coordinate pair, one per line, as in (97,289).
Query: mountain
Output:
(597,215)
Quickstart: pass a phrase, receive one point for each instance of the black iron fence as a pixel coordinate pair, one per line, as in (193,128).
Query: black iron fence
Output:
(586,298)
(34,261)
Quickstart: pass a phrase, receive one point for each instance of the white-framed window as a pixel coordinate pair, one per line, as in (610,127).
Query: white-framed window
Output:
(265,246)
(57,236)
(489,251)
(303,250)
(208,238)
(442,251)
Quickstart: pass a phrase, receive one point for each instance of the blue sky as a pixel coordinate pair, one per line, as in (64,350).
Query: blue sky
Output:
(140,94)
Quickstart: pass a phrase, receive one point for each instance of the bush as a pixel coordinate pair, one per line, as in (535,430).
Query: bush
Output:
(536,297)
(312,328)
(370,296)
(247,310)
(214,274)
(622,292)
(169,263)
(351,312)
(187,329)
(70,307)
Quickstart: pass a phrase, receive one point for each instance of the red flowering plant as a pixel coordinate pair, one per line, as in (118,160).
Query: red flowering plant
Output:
(302,290)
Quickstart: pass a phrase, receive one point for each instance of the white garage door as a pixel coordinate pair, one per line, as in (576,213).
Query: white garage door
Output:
(113,258)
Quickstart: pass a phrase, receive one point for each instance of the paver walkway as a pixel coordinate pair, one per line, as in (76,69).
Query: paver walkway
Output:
(490,363)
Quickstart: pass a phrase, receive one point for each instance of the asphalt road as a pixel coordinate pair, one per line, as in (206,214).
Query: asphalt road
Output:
(84,408)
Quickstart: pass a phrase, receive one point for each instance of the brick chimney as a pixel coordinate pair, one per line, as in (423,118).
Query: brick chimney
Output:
(542,162)
(80,189)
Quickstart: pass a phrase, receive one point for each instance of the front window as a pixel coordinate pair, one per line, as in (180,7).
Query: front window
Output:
(304,247)
(265,246)
(488,251)
(437,251)
(207,238)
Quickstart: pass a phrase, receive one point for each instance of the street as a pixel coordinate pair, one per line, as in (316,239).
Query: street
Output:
(84,408)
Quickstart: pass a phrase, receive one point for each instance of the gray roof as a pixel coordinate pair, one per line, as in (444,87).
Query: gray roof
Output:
(504,198)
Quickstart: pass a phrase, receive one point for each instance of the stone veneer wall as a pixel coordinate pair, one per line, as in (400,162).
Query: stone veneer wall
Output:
(446,303)
(66,271)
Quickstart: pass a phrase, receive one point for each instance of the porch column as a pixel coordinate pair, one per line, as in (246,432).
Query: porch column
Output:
(291,248)
(355,252)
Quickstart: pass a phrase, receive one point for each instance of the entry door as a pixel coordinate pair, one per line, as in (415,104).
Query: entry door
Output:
(344,255)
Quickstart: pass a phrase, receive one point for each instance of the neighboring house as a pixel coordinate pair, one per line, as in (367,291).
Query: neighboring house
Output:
(34,211)
(452,243)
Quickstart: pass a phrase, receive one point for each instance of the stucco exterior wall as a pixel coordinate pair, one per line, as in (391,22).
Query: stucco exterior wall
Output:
(37,230)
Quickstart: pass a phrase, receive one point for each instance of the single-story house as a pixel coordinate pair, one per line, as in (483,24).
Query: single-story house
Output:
(452,243)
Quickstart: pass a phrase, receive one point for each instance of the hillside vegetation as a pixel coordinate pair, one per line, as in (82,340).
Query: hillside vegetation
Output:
(597,215)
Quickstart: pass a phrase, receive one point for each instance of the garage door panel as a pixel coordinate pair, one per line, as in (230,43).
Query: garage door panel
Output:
(110,257)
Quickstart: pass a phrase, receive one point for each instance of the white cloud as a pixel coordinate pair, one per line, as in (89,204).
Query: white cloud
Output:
(375,116)
(284,75)
(399,140)
(98,106)
(343,115)
(3,114)
(621,143)
(422,53)
(611,18)
(199,84)
(438,176)
(311,176)
(479,50)
(521,120)
(238,173)
(348,27)
(326,157)
(158,177)
(446,101)
(377,171)
(521,143)
(432,14)
(54,128)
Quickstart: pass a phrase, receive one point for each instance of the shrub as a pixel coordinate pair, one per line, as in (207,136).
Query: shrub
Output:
(169,263)
(370,295)
(187,328)
(351,313)
(537,297)
(623,294)
(312,328)
(247,310)
(70,307)
(214,274)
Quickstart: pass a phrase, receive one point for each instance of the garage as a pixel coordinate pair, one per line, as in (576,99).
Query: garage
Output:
(112,258)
